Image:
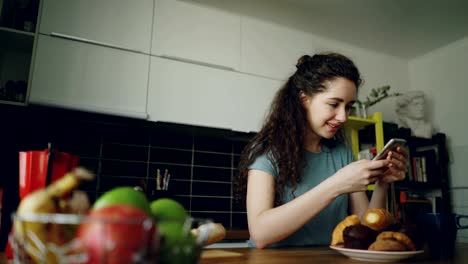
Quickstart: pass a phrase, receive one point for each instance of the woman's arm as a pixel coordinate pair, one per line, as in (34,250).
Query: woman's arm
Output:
(269,224)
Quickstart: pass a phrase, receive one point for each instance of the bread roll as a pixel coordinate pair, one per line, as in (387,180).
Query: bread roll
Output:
(337,235)
(377,219)
(387,245)
(400,237)
(209,233)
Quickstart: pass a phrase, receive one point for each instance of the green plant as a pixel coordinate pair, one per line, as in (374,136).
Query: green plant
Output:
(376,95)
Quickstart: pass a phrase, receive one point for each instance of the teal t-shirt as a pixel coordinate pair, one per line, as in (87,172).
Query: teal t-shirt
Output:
(319,166)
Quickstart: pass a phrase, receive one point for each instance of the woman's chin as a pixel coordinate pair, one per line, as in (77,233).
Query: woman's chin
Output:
(328,135)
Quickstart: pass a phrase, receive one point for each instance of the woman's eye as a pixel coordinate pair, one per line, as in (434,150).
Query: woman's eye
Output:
(333,105)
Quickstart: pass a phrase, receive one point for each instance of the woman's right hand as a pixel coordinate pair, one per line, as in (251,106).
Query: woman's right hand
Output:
(357,175)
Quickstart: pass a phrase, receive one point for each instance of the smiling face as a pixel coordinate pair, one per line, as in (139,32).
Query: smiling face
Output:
(328,111)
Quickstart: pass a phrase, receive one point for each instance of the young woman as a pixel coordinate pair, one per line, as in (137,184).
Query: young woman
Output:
(299,178)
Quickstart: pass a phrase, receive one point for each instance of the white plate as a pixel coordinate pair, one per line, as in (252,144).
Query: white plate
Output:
(376,256)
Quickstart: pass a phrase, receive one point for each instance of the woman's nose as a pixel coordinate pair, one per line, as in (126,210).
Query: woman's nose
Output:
(342,114)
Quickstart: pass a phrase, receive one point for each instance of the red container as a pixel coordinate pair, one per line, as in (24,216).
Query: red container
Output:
(34,166)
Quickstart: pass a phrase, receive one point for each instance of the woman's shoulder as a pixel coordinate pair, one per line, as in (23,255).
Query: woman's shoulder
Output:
(264,162)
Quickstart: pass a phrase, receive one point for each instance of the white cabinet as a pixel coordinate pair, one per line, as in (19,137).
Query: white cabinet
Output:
(120,23)
(197,95)
(255,96)
(190,31)
(89,77)
(272,50)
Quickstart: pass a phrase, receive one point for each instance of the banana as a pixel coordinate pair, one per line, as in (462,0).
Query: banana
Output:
(37,233)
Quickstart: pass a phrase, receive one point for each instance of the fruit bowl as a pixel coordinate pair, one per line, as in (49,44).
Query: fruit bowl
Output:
(68,238)
(77,239)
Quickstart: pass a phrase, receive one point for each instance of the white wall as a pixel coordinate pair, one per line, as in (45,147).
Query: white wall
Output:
(377,69)
(443,76)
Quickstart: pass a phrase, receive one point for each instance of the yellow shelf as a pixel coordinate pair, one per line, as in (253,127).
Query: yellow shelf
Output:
(355,123)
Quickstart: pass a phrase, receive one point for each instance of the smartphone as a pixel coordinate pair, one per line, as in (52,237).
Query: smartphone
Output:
(392,144)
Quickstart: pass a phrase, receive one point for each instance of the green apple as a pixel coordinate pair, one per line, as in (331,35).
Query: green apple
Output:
(166,209)
(123,196)
(178,246)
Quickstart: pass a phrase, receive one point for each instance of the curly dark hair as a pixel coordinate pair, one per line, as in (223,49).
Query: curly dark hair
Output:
(283,132)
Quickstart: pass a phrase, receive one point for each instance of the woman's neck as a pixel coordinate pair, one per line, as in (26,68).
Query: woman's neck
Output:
(312,142)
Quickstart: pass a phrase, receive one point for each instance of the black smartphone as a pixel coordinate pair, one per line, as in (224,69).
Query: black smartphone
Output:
(392,144)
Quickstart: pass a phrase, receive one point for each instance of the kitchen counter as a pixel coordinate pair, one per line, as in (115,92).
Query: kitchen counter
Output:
(306,255)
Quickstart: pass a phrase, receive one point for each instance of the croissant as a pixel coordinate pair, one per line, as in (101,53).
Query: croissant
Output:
(377,219)
(337,235)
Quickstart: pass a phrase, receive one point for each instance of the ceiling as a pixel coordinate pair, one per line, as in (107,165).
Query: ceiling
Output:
(402,28)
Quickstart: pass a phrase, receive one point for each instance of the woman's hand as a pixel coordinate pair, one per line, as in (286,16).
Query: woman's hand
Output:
(398,166)
(357,175)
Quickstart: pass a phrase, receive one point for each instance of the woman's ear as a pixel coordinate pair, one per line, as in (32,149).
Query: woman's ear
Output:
(303,98)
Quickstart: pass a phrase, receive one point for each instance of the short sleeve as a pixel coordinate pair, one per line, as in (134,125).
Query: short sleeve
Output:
(263,163)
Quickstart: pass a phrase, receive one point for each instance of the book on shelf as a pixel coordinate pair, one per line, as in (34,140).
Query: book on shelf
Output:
(423,167)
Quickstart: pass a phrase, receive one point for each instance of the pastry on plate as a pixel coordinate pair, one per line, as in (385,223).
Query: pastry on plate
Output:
(358,236)
(385,241)
(337,235)
(377,219)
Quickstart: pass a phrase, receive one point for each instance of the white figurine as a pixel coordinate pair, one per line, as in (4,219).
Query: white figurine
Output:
(410,108)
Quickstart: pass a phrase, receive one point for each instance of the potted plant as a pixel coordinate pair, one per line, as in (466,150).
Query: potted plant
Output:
(376,95)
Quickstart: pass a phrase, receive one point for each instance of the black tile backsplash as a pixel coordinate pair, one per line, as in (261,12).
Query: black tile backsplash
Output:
(124,168)
(167,155)
(211,188)
(128,152)
(213,144)
(239,220)
(211,204)
(212,174)
(124,152)
(212,159)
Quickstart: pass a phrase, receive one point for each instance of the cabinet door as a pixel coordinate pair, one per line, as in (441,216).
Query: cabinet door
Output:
(121,23)
(89,77)
(193,94)
(272,50)
(189,31)
(255,95)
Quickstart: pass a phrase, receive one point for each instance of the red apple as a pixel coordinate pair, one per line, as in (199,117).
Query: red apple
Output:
(117,234)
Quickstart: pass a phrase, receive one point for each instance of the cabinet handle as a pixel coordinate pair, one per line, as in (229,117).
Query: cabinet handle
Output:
(84,40)
(170,57)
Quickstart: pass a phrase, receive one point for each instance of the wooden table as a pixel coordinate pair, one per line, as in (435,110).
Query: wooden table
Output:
(310,255)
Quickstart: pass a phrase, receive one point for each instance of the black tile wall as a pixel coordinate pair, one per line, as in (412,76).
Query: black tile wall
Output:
(211,188)
(124,152)
(239,220)
(211,204)
(212,159)
(128,152)
(212,174)
(167,155)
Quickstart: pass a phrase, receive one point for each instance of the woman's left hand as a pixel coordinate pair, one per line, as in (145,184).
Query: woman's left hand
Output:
(398,166)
